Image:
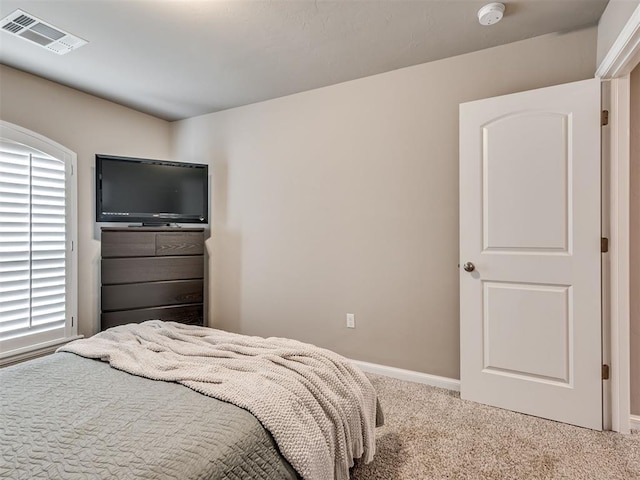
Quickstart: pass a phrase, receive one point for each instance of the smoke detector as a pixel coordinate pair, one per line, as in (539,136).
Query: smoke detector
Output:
(28,27)
(491,13)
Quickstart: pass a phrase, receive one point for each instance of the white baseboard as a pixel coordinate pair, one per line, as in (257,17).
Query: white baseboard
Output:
(634,422)
(409,375)
(435,381)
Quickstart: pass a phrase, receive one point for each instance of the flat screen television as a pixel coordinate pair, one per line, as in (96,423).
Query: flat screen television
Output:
(151,191)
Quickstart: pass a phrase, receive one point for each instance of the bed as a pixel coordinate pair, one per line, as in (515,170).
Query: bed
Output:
(71,415)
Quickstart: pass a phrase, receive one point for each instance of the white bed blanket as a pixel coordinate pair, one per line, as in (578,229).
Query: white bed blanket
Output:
(319,408)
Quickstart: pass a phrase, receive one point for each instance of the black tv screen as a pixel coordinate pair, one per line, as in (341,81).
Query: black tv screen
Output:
(150,191)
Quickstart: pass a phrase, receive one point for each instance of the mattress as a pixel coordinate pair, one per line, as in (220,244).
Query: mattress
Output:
(68,417)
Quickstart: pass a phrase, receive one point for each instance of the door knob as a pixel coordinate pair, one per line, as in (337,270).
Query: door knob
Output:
(469,267)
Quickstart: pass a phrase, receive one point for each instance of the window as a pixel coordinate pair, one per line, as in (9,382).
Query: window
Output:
(37,242)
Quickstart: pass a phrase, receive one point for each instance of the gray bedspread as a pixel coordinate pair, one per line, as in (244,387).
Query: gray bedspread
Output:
(319,408)
(67,417)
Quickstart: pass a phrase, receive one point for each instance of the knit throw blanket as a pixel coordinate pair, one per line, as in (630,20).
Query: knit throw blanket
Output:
(320,409)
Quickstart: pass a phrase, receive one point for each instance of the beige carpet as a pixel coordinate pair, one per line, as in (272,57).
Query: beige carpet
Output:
(431,434)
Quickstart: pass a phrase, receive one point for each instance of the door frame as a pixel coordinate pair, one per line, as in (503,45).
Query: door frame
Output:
(615,68)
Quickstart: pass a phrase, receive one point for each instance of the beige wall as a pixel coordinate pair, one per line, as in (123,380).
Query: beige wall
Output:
(86,125)
(611,23)
(634,212)
(345,199)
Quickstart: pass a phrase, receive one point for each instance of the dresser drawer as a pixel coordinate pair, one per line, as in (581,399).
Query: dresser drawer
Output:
(179,243)
(151,269)
(149,244)
(128,244)
(154,294)
(191,314)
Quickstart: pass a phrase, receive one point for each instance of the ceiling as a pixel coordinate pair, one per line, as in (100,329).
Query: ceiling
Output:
(180,58)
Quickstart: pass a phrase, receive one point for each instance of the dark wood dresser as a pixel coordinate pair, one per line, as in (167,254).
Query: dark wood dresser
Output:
(152,273)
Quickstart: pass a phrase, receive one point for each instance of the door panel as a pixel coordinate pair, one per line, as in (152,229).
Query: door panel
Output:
(530,312)
(517,169)
(512,343)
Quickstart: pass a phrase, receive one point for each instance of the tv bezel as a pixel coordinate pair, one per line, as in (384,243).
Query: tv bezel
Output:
(152,219)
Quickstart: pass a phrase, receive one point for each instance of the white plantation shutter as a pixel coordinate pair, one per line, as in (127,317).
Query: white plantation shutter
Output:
(35,248)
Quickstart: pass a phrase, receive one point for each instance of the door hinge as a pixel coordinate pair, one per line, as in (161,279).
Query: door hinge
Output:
(72,320)
(605,372)
(604,244)
(605,117)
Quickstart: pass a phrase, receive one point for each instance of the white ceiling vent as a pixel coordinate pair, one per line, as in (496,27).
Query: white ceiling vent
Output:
(41,33)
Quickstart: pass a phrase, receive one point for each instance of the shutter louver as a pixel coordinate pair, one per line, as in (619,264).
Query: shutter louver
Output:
(32,244)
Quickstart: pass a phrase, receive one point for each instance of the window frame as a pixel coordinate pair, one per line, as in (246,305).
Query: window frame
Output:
(33,140)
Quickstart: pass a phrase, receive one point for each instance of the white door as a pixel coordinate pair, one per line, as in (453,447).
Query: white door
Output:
(530,316)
